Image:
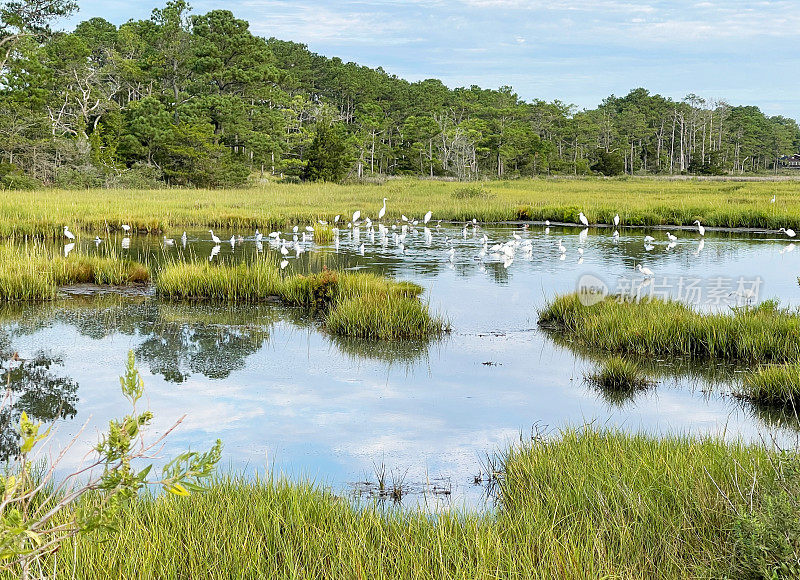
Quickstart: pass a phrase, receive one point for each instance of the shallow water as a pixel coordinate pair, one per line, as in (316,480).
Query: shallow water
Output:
(285,396)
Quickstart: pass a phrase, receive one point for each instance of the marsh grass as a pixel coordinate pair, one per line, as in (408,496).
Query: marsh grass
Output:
(586,503)
(670,328)
(641,202)
(352,304)
(35,273)
(323,234)
(774,385)
(619,374)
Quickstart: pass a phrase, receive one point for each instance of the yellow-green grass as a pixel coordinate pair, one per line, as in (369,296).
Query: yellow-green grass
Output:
(775,385)
(585,504)
(355,304)
(639,201)
(669,328)
(36,273)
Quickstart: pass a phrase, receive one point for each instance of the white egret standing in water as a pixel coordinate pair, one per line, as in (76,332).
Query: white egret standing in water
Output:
(168,241)
(671,237)
(383,210)
(284,263)
(700,229)
(97,240)
(773,199)
(356,215)
(616,220)
(790,232)
(583,219)
(427,217)
(646,271)
(68,234)
(561,247)
(214,238)
(126,228)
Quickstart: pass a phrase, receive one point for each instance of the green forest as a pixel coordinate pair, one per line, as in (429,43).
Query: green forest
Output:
(198,100)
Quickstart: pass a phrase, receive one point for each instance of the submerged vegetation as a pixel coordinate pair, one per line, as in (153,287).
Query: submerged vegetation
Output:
(36,273)
(670,328)
(587,503)
(639,202)
(353,304)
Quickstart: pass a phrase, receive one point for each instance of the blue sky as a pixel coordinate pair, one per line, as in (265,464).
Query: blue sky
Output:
(578,51)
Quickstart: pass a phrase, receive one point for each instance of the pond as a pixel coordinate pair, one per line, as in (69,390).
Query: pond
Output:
(285,396)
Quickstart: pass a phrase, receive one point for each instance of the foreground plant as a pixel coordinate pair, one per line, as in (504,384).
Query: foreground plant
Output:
(38,512)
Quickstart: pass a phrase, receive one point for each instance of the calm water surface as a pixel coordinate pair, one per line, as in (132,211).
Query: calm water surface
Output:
(283,395)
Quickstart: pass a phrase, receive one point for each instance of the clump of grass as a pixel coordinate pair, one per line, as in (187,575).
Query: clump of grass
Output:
(354,304)
(35,273)
(384,317)
(775,385)
(619,374)
(587,503)
(670,328)
(323,234)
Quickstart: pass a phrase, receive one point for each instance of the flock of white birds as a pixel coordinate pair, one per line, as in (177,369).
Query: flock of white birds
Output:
(293,243)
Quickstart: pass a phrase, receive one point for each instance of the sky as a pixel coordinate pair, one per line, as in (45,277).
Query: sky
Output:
(577,51)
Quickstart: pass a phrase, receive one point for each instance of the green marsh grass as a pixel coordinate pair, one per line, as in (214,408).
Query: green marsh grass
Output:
(586,503)
(638,201)
(619,374)
(35,273)
(764,333)
(774,385)
(354,304)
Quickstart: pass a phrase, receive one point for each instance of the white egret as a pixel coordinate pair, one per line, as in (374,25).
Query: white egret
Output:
(183,238)
(284,250)
(336,219)
(671,237)
(68,234)
(547,222)
(790,232)
(404,218)
(214,238)
(616,220)
(700,229)
(126,228)
(309,229)
(273,235)
(561,247)
(356,215)
(361,249)
(583,219)
(259,235)
(645,271)
(294,229)
(233,241)
(167,241)
(383,210)
(97,240)
(427,217)
(773,199)
(323,223)
(648,239)
(284,263)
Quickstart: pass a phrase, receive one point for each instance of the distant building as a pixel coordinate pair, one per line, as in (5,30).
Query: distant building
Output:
(791,161)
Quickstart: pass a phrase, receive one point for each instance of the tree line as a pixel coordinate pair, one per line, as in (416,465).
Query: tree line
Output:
(190,99)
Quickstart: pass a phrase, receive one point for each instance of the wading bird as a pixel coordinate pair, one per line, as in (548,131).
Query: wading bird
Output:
(583,219)
(125,228)
(383,210)
(700,229)
(616,220)
(68,234)
(646,271)
(168,241)
(427,217)
(671,237)
(790,232)
(214,238)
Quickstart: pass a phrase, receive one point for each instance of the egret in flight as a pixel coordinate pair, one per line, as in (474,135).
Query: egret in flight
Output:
(700,229)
